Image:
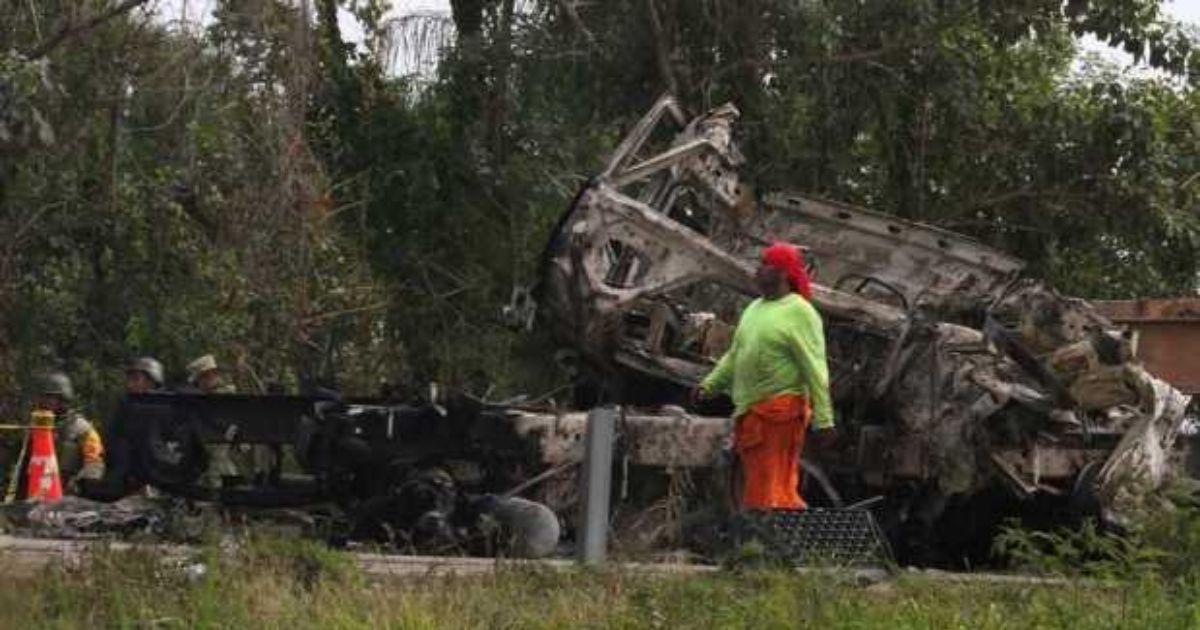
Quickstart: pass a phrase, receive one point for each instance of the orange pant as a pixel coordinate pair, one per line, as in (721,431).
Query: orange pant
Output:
(768,440)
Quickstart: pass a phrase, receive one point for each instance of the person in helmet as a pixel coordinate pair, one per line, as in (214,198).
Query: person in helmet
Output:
(143,375)
(78,446)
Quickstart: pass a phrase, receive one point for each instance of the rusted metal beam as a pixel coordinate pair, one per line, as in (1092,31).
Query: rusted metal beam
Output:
(1167,336)
(1172,309)
(667,440)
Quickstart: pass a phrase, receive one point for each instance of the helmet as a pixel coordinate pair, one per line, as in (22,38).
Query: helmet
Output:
(149,366)
(56,384)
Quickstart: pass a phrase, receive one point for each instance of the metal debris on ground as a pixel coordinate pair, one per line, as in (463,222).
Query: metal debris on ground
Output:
(76,518)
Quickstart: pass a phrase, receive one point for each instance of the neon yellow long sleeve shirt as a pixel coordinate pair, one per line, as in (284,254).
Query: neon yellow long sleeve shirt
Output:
(778,348)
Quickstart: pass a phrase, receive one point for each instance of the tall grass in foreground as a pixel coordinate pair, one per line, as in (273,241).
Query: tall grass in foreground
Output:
(276,583)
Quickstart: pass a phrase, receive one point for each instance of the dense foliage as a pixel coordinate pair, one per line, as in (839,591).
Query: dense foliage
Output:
(259,188)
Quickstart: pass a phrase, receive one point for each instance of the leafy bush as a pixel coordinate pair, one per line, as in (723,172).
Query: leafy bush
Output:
(1086,551)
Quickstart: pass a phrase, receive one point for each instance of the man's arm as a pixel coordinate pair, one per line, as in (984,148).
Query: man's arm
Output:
(719,379)
(808,347)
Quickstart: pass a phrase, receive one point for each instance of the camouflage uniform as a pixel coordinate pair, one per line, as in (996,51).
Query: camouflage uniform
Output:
(221,463)
(79,449)
(221,455)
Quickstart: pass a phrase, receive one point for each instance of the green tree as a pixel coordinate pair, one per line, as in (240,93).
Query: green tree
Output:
(264,189)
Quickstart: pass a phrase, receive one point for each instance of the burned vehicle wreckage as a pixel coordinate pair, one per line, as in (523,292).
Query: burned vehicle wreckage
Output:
(964,393)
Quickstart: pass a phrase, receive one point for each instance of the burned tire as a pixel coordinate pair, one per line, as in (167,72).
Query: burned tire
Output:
(531,530)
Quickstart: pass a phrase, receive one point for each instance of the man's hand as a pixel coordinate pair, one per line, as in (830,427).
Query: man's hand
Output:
(825,438)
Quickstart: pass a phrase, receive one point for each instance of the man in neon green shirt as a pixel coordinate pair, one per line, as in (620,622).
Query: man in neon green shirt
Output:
(776,372)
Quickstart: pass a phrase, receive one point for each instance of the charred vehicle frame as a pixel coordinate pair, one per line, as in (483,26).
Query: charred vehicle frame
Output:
(962,390)
(961,387)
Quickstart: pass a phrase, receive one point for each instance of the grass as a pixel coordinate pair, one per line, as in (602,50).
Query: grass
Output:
(276,583)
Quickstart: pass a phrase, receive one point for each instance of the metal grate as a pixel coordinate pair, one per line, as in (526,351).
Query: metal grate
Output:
(819,536)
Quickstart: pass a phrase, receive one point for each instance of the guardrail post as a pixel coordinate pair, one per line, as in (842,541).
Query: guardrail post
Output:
(597,483)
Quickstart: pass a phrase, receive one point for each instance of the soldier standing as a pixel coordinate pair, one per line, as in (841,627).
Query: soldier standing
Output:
(79,450)
(205,376)
(143,375)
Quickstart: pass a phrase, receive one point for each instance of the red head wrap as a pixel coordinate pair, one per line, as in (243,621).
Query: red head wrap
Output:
(788,259)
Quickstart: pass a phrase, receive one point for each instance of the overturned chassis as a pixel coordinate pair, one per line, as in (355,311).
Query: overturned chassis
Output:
(435,476)
(957,384)
(423,476)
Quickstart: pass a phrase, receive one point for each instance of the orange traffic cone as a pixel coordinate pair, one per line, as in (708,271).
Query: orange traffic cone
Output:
(42,481)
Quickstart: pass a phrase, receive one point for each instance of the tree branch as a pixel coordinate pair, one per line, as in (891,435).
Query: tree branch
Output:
(1024,191)
(812,60)
(662,53)
(571,11)
(74,30)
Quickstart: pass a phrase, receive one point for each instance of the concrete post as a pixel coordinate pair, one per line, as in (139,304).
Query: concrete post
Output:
(597,484)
